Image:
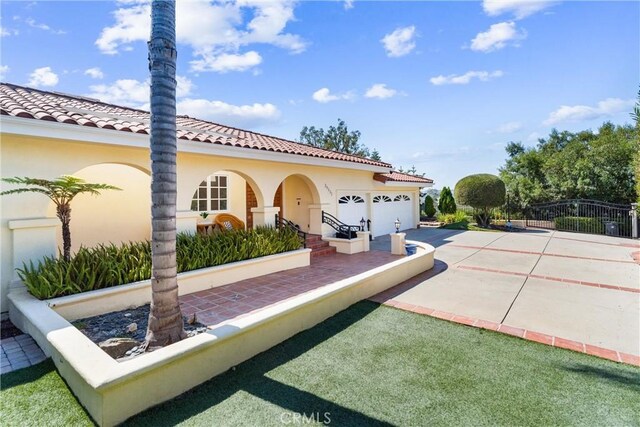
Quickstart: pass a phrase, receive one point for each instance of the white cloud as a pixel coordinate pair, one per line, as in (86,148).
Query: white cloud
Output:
(380,91)
(509,127)
(40,26)
(94,73)
(497,37)
(134,93)
(132,24)
(4,70)
(519,8)
(215,31)
(463,79)
(249,116)
(324,95)
(577,113)
(400,42)
(348,4)
(4,31)
(43,77)
(227,62)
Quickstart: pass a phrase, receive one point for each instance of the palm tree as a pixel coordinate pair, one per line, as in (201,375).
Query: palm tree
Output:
(61,191)
(165,318)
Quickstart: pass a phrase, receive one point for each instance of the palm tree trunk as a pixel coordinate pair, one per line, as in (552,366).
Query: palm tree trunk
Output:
(64,215)
(165,318)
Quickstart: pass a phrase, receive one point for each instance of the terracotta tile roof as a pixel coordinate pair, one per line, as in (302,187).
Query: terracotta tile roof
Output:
(28,103)
(401,177)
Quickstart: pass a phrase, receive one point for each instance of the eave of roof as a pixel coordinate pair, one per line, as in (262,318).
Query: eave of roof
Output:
(400,177)
(28,103)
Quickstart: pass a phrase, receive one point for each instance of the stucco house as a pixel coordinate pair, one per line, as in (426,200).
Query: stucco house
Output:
(220,170)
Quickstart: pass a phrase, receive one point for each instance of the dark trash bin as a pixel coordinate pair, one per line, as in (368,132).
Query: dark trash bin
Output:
(611,229)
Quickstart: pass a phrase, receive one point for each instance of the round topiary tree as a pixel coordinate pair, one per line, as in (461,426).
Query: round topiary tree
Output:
(482,192)
(446,203)
(429,208)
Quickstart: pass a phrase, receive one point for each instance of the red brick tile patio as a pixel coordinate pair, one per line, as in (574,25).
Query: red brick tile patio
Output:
(216,305)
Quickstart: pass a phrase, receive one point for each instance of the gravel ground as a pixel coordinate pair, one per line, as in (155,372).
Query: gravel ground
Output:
(120,324)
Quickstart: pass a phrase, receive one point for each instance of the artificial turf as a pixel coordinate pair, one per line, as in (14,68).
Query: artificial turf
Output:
(374,365)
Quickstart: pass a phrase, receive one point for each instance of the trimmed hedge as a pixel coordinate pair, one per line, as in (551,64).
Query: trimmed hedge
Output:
(590,225)
(446,202)
(110,265)
(429,206)
(481,191)
(579,223)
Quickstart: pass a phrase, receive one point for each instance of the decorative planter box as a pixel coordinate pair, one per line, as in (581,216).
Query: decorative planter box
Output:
(113,391)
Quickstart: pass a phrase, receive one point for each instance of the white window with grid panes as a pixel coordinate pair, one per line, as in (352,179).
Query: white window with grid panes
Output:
(211,195)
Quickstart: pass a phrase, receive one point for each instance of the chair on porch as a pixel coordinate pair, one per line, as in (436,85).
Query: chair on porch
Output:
(229,222)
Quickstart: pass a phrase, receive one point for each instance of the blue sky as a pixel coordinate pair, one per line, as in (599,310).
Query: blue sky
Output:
(439,85)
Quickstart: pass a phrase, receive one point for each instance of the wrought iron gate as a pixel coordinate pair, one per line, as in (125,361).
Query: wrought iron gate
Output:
(583,216)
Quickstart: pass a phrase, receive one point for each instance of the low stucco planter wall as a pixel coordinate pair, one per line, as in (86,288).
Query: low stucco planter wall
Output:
(113,391)
(121,297)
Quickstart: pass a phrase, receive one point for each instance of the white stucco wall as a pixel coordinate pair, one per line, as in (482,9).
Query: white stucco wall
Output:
(113,216)
(296,200)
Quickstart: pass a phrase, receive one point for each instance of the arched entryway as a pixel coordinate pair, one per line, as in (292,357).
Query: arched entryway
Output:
(226,191)
(296,196)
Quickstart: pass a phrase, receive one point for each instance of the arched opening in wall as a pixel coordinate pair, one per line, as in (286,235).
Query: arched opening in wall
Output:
(294,197)
(226,192)
(113,216)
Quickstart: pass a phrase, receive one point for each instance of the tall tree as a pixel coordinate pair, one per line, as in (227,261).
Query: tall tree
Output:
(582,165)
(61,191)
(165,318)
(335,138)
(375,155)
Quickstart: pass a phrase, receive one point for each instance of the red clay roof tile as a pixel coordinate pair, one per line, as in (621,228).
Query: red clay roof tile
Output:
(395,176)
(20,101)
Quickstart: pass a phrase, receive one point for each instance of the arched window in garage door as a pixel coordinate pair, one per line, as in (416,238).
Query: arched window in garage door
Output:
(350,199)
(352,208)
(381,199)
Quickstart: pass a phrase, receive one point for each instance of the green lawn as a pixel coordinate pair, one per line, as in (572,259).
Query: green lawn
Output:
(375,365)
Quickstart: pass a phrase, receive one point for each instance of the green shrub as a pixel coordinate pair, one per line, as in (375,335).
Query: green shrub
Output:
(111,265)
(578,223)
(446,203)
(482,192)
(429,208)
(452,218)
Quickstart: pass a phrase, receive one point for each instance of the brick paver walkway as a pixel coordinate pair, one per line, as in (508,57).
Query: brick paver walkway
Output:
(216,305)
(19,352)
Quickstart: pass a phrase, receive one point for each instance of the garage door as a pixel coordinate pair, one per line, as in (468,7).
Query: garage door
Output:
(352,208)
(388,207)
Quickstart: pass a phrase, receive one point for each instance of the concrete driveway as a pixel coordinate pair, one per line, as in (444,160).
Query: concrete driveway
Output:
(571,290)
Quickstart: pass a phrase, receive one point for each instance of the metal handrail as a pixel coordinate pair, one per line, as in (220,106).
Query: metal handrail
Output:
(282,222)
(340,227)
